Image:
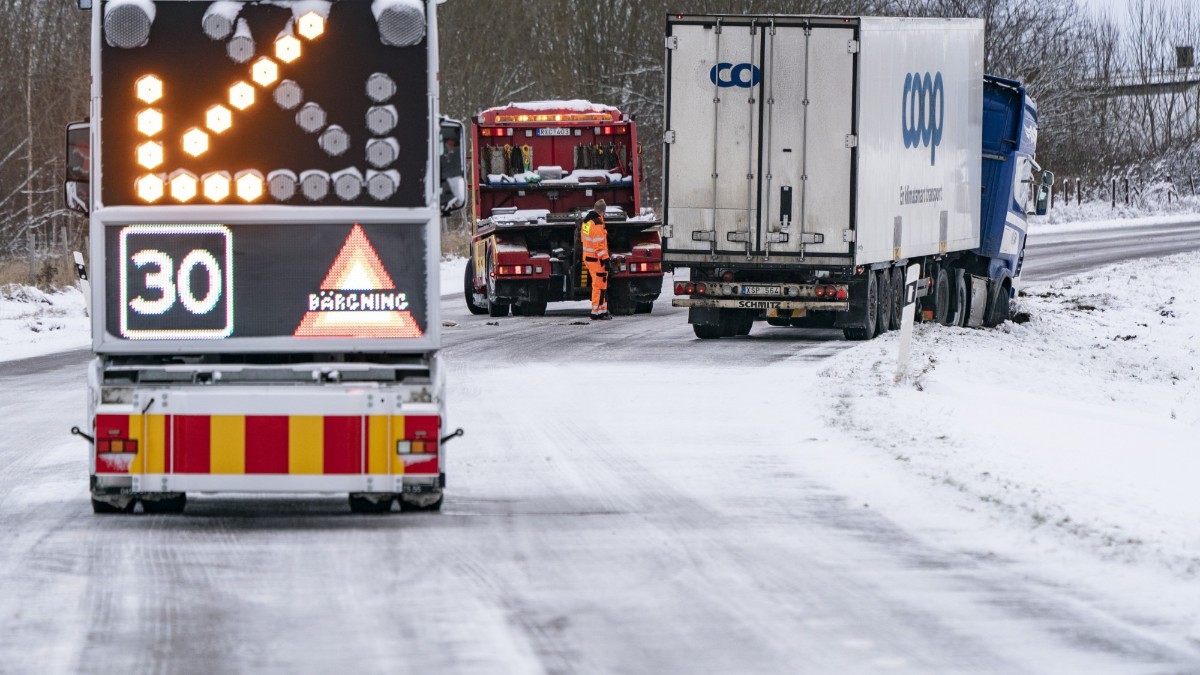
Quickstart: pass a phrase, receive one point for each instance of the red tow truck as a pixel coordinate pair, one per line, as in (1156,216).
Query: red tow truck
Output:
(536,170)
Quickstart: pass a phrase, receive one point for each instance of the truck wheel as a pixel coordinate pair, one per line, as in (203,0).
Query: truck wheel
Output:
(898,296)
(643,308)
(941,296)
(173,504)
(999,308)
(620,301)
(496,310)
(363,504)
(883,320)
(865,330)
(708,332)
(531,308)
(957,316)
(105,507)
(411,505)
(469,290)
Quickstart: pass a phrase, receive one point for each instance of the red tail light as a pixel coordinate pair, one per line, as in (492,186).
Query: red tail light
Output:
(691,288)
(728,276)
(820,291)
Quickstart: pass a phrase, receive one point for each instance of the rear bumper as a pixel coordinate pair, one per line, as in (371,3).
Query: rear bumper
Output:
(761,304)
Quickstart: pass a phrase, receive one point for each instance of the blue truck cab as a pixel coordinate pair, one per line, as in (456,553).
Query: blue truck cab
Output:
(1012,180)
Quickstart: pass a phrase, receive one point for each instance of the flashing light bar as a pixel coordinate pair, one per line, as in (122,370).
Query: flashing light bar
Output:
(557,117)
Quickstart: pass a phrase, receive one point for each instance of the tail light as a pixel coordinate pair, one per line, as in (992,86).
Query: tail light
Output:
(116,445)
(727,276)
(645,267)
(820,291)
(420,436)
(690,288)
(516,270)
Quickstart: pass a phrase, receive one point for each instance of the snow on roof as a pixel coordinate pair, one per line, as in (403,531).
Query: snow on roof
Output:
(573,105)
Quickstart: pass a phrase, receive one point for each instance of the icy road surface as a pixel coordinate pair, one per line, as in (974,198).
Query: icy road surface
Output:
(627,499)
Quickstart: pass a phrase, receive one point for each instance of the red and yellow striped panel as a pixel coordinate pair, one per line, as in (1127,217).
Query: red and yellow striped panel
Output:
(313,445)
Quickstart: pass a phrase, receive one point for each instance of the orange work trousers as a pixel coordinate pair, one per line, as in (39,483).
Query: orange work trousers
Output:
(599,286)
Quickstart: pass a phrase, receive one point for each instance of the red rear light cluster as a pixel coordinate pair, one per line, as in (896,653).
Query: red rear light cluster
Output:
(684,288)
(609,131)
(517,270)
(107,445)
(645,267)
(496,131)
(420,436)
(831,293)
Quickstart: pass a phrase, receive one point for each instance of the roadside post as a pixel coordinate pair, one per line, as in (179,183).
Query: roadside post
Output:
(906,321)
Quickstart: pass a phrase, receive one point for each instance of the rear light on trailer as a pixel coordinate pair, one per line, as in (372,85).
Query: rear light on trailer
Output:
(842,294)
(691,288)
(645,267)
(420,436)
(679,287)
(727,276)
(515,270)
(820,291)
(105,446)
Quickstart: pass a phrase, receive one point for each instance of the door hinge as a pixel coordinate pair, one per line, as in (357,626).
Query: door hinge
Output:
(852,47)
(848,236)
(672,42)
(851,141)
(668,136)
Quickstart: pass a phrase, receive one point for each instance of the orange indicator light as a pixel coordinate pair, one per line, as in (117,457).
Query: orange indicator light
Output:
(216,186)
(287,48)
(241,96)
(249,185)
(149,88)
(195,142)
(150,154)
(184,186)
(218,119)
(311,25)
(150,188)
(264,72)
(149,122)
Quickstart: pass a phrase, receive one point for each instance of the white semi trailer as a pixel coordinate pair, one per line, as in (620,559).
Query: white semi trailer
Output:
(809,160)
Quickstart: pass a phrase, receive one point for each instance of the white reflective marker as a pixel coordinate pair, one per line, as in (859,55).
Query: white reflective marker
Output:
(906,321)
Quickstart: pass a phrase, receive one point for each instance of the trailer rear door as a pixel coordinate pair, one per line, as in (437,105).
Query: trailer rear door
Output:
(760,121)
(808,130)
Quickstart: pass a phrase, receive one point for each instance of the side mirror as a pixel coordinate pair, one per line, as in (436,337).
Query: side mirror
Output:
(1042,205)
(453,159)
(79,167)
(1048,178)
(76,195)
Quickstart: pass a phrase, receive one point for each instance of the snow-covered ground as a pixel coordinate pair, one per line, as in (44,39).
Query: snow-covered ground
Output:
(1075,431)
(35,322)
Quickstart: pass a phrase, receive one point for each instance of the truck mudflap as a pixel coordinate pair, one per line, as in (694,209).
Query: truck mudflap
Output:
(761,304)
(182,442)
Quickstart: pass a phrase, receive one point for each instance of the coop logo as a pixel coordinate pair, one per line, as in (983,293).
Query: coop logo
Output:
(923,112)
(744,75)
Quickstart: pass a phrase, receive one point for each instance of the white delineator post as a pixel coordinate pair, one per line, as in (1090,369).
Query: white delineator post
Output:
(906,321)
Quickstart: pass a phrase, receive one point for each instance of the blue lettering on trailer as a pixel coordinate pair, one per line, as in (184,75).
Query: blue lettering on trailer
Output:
(744,75)
(923,112)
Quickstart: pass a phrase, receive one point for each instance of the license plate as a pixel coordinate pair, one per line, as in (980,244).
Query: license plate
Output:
(554,131)
(762,290)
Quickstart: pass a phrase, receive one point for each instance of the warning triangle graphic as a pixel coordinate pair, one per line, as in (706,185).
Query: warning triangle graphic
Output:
(358,298)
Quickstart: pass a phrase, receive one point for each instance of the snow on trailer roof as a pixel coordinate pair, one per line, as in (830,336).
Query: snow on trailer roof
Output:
(576,106)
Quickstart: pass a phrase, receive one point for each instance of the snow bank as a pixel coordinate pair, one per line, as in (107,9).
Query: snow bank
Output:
(573,105)
(34,322)
(1079,426)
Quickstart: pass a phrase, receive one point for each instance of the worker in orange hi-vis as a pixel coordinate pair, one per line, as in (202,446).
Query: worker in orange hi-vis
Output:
(594,236)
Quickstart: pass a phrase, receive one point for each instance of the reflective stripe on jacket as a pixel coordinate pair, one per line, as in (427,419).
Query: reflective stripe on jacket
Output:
(594,236)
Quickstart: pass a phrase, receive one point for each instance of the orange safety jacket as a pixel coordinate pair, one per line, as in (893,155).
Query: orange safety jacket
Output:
(594,236)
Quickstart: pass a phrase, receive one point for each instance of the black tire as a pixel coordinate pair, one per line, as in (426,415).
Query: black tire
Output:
(174,504)
(868,313)
(742,324)
(643,308)
(409,507)
(898,296)
(940,299)
(359,504)
(497,310)
(620,301)
(708,332)
(530,309)
(958,301)
(883,319)
(102,507)
(999,308)
(469,290)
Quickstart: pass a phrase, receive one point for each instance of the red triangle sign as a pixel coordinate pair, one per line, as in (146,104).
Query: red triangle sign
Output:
(358,298)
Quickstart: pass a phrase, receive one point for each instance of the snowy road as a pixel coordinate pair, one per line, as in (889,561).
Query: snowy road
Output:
(686,532)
